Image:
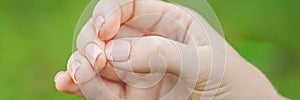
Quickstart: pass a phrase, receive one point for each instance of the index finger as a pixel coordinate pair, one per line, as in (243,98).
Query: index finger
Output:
(108,15)
(149,17)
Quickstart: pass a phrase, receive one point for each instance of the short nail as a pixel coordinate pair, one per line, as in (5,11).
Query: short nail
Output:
(75,67)
(99,22)
(117,50)
(92,52)
(58,76)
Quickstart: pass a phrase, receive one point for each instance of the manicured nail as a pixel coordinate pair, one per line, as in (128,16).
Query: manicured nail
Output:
(58,76)
(117,50)
(99,22)
(92,52)
(75,67)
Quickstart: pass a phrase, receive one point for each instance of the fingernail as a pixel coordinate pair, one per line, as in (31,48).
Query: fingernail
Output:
(58,76)
(117,50)
(75,67)
(92,52)
(99,22)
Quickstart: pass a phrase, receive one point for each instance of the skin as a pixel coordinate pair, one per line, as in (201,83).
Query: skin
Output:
(110,29)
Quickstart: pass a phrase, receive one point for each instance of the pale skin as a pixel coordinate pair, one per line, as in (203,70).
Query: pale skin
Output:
(114,37)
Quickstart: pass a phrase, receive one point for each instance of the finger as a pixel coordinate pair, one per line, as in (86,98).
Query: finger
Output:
(91,85)
(150,16)
(109,14)
(160,18)
(146,54)
(88,33)
(89,45)
(65,84)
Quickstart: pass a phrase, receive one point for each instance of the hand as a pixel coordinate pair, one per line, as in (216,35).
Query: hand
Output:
(186,54)
(91,47)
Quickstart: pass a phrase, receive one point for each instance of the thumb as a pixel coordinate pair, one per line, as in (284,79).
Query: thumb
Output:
(154,54)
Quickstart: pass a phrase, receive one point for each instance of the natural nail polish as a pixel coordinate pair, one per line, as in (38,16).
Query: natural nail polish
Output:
(92,52)
(99,22)
(118,50)
(75,67)
(58,76)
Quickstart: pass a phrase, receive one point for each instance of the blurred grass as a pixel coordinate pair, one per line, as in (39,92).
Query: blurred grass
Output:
(36,41)
(266,33)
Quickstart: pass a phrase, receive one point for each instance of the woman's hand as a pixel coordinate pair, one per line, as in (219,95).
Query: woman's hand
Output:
(148,49)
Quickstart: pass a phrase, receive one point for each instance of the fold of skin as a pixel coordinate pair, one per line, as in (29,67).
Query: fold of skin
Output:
(99,77)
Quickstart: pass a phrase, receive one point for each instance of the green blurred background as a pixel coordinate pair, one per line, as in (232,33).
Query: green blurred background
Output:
(36,41)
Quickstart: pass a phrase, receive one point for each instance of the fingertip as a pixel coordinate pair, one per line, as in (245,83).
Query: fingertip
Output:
(58,76)
(61,81)
(65,84)
(110,27)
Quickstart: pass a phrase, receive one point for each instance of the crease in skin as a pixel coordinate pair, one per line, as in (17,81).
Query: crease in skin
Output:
(222,91)
(181,22)
(152,31)
(123,13)
(163,13)
(167,34)
(151,28)
(133,9)
(186,32)
(192,38)
(194,15)
(203,92)
(177,17)
(143,33)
